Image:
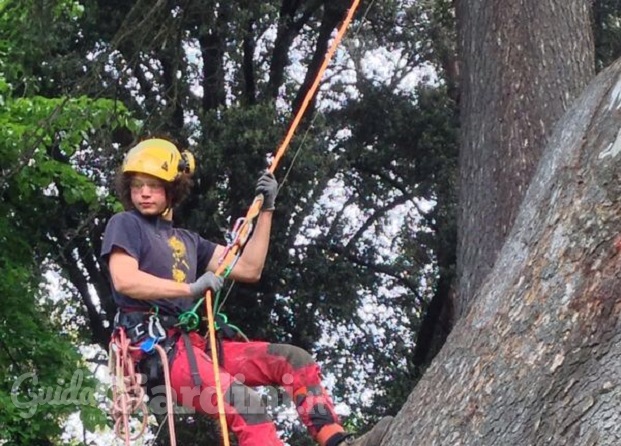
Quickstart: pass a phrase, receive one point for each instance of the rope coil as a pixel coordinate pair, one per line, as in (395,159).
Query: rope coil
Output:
(128,395)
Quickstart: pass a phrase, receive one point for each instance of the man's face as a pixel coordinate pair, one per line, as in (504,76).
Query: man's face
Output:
(148,194)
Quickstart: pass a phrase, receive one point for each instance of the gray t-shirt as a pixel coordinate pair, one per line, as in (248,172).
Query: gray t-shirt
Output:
(161,250)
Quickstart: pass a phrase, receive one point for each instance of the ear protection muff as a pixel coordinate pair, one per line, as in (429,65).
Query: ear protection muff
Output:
(187,163)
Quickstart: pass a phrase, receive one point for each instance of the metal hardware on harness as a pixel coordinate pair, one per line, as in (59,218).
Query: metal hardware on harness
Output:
(137,332)
(156,331)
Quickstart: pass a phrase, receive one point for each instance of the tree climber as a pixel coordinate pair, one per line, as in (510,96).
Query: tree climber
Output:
(158,270)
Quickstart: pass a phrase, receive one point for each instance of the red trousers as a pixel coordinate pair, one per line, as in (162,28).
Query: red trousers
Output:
(250,364)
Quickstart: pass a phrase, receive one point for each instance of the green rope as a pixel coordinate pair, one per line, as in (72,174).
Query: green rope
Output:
(218,306)
(190,320)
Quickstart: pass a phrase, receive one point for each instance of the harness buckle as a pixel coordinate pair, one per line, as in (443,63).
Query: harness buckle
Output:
(137,332)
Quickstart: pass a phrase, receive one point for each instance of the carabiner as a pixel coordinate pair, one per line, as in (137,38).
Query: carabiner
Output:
(156,331)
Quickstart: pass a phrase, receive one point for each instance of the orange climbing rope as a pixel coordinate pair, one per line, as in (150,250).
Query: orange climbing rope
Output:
(244,227)
(313,89)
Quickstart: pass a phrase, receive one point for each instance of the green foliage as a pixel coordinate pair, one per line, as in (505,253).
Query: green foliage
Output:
(41,141)
(32,32)
(44,143)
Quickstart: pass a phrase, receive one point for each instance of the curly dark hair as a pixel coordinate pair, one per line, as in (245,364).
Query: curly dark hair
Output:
(176,191)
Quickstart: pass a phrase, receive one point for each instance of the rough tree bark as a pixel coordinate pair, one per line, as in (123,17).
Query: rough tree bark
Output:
(537,359)
(524,62)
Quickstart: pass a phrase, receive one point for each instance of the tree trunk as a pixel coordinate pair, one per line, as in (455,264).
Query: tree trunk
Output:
(524,63)
(537,359)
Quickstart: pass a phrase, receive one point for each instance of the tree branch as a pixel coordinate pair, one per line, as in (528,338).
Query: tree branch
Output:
(394,183)
(248,64)
(382,269)
(10,355)
(330,20)
(100,334)
(288,29)
(330,233)
(381,212)
(212,51)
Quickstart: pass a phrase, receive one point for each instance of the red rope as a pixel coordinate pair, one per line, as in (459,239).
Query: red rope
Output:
(127,392)
(169,401)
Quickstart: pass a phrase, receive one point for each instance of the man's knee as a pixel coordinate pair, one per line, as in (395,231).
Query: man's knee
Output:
(247,403)
(297,357)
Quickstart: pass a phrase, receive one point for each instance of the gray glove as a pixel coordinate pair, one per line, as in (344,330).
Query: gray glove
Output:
(205,282)
(268,186)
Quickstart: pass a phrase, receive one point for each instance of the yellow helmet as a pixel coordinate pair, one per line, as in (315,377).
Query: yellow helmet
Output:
(159,158)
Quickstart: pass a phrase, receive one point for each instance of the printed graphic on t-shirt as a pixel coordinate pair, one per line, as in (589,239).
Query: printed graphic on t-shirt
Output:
(180,265)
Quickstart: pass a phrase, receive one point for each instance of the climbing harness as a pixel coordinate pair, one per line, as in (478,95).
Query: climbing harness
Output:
(243,227)
(152,338)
